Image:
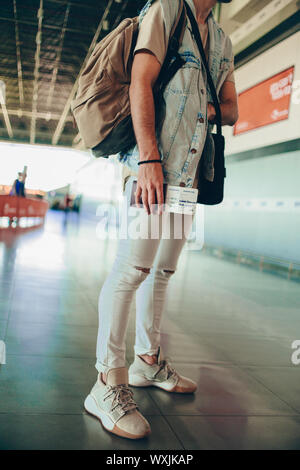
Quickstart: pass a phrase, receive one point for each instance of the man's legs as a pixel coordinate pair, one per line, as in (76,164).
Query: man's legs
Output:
(111,400)
(131,267)
(150,367)
(131,271)
(151,294)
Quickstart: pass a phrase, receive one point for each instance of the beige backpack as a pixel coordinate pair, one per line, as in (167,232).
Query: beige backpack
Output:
(101,108)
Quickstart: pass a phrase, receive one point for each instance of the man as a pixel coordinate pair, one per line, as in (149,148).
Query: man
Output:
(145,266)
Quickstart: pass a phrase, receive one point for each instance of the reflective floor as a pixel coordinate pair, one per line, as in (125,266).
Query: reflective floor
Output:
(228,327)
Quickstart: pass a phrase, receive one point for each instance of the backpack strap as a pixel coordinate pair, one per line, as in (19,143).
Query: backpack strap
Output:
(168,71)
(181,7)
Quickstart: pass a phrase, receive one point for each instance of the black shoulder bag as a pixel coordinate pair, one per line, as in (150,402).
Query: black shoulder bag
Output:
(210,193)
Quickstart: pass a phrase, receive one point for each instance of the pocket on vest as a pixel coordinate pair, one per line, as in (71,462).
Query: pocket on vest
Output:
(184,81)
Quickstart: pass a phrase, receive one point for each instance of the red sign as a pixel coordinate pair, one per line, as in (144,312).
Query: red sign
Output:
(265,103)
(14,206)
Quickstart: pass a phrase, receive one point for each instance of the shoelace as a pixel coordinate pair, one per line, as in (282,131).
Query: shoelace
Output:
(123,397)
(166,366)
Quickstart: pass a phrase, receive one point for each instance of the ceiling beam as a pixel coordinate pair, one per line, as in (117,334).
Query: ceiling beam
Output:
(81,5)
(6,120)
(39,115)
(61,123)
(36,73)
(68,70)
(49,26)
(8,59)
(19,63)
(118,19)
(58,57)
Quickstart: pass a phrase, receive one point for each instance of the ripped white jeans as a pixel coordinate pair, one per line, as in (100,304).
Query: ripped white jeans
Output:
(156,255)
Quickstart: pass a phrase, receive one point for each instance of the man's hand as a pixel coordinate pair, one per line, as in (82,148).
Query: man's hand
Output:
(228,105)
(144,73)
(149,185)
(211,112)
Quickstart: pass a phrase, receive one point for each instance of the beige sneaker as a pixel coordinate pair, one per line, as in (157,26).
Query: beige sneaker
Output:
(161,375)
(112,403)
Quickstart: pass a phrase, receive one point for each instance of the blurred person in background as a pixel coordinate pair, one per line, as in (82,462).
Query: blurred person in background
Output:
(68,202)
(18,187)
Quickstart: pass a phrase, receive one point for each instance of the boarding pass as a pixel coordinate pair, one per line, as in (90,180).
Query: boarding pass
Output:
(177,199)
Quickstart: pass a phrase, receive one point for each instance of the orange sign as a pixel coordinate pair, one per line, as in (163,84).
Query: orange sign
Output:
(265,103)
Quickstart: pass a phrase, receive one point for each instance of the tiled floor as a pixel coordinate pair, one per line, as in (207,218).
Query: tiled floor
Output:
(228,327)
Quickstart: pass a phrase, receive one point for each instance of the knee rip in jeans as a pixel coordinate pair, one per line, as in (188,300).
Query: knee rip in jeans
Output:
(132,276)
(145,270)
(167,272)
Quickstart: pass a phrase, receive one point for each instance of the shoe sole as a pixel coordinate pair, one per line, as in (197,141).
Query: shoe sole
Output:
(92,408)
(138,381)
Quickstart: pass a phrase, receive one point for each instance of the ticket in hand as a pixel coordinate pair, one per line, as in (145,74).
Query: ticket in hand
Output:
(177,199)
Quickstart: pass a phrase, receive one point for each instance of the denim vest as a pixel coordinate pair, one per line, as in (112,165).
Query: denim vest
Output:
(185,135)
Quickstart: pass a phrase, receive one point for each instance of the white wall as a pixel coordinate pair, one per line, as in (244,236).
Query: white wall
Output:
(272,61)
(261,209)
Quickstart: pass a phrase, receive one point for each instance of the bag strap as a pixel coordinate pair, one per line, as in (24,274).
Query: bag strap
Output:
(198,39)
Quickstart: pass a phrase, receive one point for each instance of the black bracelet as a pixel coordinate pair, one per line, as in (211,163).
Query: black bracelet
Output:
(148,161)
